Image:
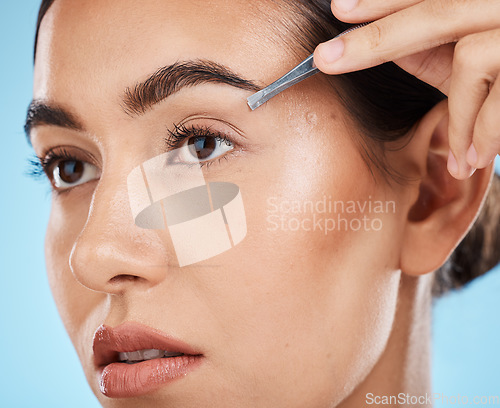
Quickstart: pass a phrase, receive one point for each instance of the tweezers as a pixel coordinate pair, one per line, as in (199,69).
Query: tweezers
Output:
(302,71)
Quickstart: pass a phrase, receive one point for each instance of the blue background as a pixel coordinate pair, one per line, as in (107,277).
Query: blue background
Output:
(39,367)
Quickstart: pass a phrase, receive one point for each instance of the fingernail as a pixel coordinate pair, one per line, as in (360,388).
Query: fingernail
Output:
(331,51)
(472,156)
(346,5)
(452,164)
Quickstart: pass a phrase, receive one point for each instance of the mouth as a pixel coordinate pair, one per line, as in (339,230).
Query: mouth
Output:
(134,357)
(133,360)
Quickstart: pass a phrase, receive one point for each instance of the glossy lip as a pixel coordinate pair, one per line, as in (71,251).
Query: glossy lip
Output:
(122,380)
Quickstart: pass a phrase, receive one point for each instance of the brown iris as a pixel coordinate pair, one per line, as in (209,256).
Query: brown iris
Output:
(202,147)
(70,171)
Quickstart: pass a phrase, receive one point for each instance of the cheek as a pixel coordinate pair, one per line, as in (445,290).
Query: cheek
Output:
(331,293)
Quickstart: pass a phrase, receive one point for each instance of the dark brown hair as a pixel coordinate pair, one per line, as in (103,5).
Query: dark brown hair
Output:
(386,102)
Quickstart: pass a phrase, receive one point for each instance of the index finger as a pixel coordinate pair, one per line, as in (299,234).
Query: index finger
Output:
(358,11)
(421,27)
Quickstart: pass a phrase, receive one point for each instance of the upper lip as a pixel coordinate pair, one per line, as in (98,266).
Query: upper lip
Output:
(131,336)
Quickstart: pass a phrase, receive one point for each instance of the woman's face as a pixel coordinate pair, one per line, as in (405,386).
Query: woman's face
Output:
(292,316)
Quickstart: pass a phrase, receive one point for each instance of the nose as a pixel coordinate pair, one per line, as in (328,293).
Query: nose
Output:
(111,253)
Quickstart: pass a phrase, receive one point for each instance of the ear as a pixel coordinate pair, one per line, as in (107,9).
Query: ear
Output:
(442,209)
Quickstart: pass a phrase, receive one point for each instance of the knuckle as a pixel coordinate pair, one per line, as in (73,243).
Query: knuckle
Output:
(465,54)
(374,35)
(476,53)
(449,13)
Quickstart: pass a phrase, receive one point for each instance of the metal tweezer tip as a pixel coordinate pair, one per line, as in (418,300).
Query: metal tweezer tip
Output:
(302,71)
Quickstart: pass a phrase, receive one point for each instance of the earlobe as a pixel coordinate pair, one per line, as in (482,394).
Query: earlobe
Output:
(445,208)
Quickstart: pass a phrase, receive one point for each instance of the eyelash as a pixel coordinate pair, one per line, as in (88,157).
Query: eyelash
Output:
(40,166)
(181,133)
(35,169)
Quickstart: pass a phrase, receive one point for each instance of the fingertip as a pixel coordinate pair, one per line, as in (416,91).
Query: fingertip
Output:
(457,171)
(326,54)
(480,157)
(344,6)
(317,61)
(348,11)
(485,162)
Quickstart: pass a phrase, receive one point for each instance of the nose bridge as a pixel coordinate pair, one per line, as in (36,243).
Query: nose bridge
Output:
(111,246)
(110,209)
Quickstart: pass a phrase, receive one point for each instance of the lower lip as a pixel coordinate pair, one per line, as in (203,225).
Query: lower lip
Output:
(122,380)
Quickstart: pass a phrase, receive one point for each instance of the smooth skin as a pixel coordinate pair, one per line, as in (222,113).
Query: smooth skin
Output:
(454,45)
(288,319)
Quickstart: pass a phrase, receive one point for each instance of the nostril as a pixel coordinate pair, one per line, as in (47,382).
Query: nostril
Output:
(125,278)
(112,261)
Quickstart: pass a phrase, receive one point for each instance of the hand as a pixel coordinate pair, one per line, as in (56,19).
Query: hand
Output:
(453,45)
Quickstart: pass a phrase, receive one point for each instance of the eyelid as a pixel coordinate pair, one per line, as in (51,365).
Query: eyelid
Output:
(55,154)
(184,132)
(203,127)
(68,151)
(235,134)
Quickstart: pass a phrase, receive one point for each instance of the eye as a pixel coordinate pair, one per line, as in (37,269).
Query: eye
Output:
(203,149)
(71,173)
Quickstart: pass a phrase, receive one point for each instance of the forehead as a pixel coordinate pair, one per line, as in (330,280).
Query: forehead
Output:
(109,44)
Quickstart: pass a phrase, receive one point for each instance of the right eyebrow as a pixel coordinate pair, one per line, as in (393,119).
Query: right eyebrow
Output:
(43,113)
(138,99)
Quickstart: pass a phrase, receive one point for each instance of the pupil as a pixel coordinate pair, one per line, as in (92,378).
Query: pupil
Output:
(70,171)
(203,147)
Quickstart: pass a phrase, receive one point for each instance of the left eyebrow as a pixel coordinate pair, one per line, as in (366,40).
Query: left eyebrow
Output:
(171,79)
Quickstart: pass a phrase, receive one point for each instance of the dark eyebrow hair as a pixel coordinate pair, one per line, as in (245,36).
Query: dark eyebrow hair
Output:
(43,113)
(171,79)
(137,100)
